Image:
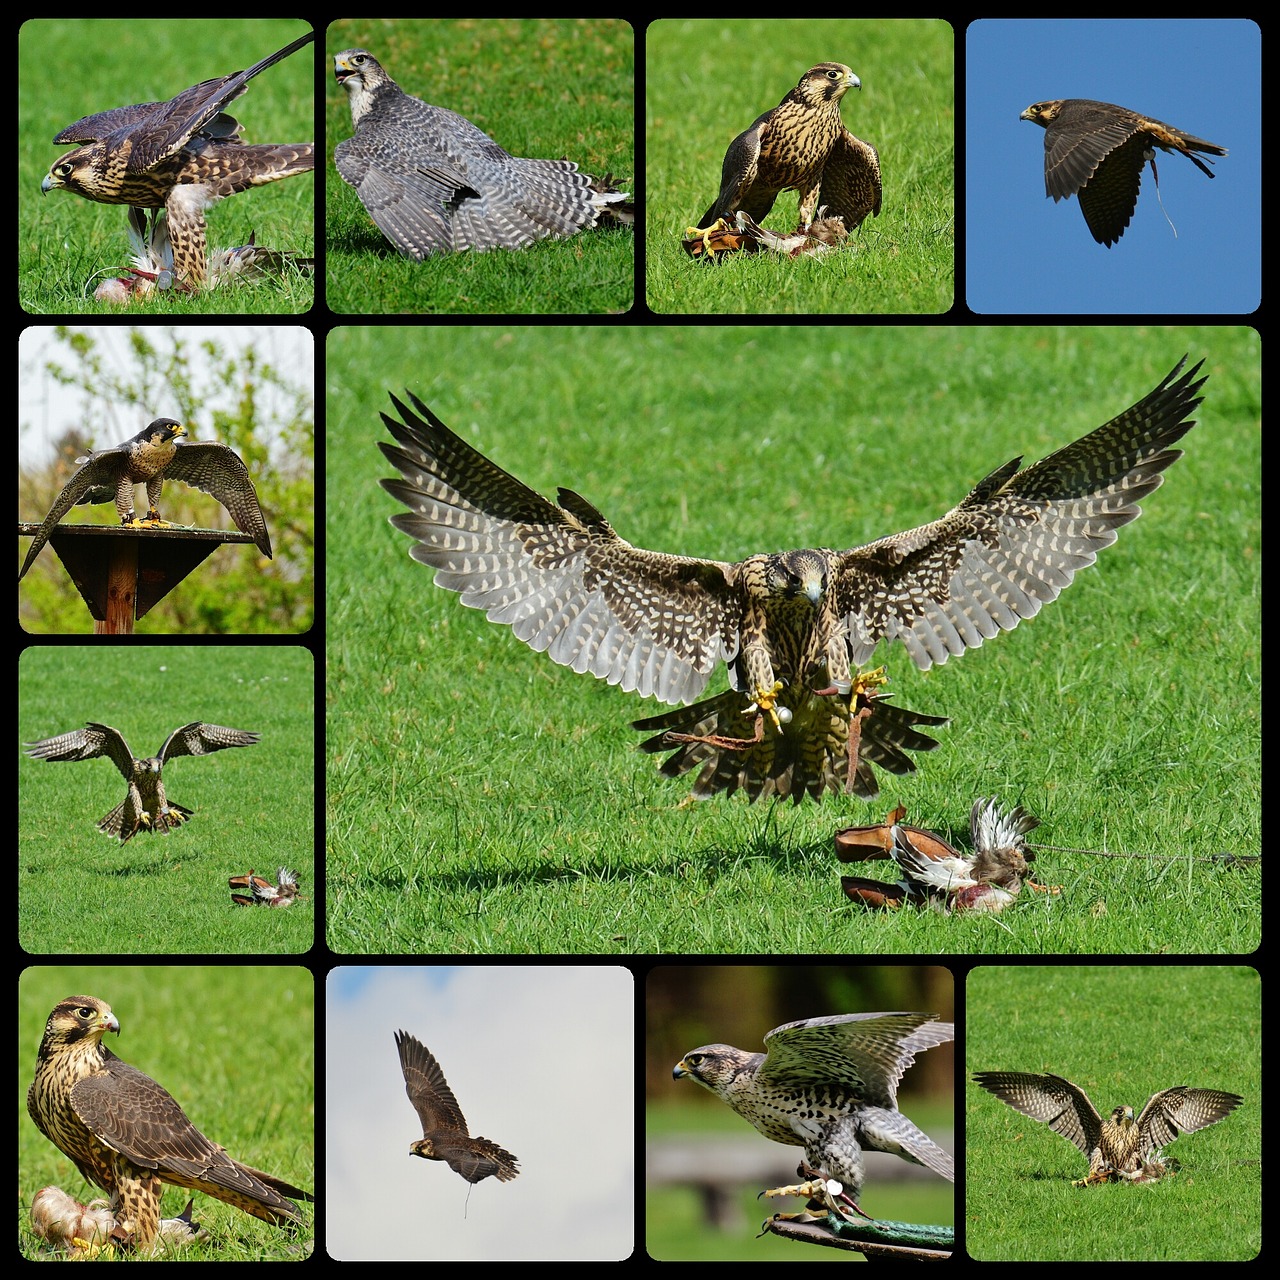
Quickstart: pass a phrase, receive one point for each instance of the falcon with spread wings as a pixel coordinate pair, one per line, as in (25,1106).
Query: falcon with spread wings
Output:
(178,156)
(128,1136)
(445,1135)
(793,626)
(435,183)
(145,806)
(800,145)
(154,455)
(829,1085)
(1096,151)
(1118,1147)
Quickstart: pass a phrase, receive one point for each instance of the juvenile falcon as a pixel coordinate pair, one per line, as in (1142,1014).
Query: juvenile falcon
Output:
(434,183)
(1119,1147)
(145,806)
(154,455)
(829,1085)
(128,1136)
(179,156)
(791,626)
(444,1128)
(800,145)
(1097,151)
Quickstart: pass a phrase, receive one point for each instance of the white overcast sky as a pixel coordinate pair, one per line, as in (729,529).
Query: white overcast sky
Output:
(46,408)
(541,1060)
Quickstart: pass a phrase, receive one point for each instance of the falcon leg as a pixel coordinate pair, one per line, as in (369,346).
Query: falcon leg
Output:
(705,234)
(153,520)
(765,704)
(826,1193)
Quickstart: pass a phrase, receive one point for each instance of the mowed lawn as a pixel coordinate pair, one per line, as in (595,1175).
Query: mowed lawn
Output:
(481,798)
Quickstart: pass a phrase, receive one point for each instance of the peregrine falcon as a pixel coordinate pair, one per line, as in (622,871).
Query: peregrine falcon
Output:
(145,806)
(1097,151)
(800,145)
(444,1128)
(128,1136)
(1119,1147)
(180,156)
(792,627)
(829,1085)
(434,183)
(151,457)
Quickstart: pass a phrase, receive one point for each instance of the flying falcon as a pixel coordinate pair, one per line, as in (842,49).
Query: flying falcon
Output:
(145,806)
(444,1128)
(1119,1147)
(178,156)
(800,145)
(1097,151)
(792,627)
(153,456)
(829,1085)
(128,1136)
(434,183)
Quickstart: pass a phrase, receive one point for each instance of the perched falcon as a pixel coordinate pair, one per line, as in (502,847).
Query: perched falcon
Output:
(1119,1147)
(1097,151)
(434,183)
(801,145)
(791,626)
(151,457)
(145,806)
(829,1085)
(262,893)
(444,1128)
(178,156)
(987,879)
(128,1136)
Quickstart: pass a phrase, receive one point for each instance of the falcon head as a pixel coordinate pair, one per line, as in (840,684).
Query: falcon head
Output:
(425,1148)
(828,82)
(795,575)
(76,1020)
(714,1066)
(361,75)
(161,431)
(1122,1117)
(80,171)
(1042,113)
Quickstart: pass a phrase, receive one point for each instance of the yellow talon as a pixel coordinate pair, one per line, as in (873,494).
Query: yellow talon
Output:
(706,233)
(766,701)
(866,680)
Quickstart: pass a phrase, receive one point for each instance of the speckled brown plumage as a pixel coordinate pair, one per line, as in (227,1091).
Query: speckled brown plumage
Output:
(127,1135)
(1096,151)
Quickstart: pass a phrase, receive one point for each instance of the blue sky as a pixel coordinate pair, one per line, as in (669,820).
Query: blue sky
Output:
(1028,254)
(521,1047)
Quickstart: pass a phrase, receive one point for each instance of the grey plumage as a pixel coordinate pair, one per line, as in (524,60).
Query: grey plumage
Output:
(435,183)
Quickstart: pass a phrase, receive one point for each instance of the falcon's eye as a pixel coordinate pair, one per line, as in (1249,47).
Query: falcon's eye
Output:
(85,1013)
(695,1059)
(63,170)
(833,75)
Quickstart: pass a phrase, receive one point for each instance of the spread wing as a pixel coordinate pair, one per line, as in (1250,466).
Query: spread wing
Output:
(1182,1110)
(198,739)
(427,1088)
(220,471)
(86,744)
(1063,1106)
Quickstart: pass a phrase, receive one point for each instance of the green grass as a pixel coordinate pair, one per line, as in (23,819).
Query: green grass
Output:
(546,88)
(63,240)
(233,1045)
(254,806)
(1121,1034)
(483,799)
(707,80)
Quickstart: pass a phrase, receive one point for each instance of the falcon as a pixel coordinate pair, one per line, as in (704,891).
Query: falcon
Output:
(127,1135)
(829,1085)
(1097,151)
(790,626)
(179,156)
(154,455)
(800,145)
(1119,1147)
(987,879)
(434,183)
(445,1135)
(145,806)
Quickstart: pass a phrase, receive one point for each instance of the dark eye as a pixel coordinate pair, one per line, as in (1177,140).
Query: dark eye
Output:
(833,75)
(85,1012)
(694,1059)
(63,170)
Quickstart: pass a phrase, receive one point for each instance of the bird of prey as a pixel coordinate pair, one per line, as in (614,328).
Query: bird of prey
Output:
(800,145)
(1096,151)
(1118,1147)
(178,156)
(153,456)
(262,893)
(792,627)
(434,183)
(145,806)
(987,879)
(829,1085)
(128,1136)
(445,1135)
